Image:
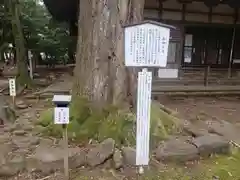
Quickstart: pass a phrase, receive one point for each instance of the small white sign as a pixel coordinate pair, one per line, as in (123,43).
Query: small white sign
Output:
(168,73)
(12,87)
(143,117)
(61,115)
(146,45)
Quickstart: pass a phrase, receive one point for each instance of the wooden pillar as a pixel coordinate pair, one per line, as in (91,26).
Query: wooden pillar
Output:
(206,75)
(206,65)
(231,54)
(232,44)
(160,9)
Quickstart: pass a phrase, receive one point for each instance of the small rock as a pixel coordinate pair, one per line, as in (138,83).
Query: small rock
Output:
(4,138)
(18,162)
(176,150)
(28,127)
(7,113)
(7,171)
(13,166)
(21,104)
(25,142)
(46,142)
(117,159)
(225,129)
(101,152)
(129,156)
(78,159)
(196,130)
(48,159)
(19,132)
(211,144)
(4,150)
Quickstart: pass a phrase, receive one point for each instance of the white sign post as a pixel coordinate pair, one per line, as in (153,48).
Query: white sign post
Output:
(30,56)
(143,117)
(146,45)
(12,89)
(61,116)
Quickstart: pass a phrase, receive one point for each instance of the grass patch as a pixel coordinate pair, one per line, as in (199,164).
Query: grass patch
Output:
(216,168)
(86,123)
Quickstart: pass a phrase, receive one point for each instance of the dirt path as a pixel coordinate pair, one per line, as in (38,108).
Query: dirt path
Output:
(205,108)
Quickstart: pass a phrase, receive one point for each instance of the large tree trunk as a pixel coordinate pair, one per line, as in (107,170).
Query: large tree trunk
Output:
(23,78)
(100,73)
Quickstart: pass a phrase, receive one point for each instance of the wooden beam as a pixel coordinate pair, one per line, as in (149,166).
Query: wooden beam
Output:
(160,9)
(210,14)
(183,12)
(190,11)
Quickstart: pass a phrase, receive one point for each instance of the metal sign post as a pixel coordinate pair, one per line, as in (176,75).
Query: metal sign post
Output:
(146,45)
(61,116)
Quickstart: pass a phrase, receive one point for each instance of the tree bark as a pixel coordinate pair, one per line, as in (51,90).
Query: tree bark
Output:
(100,73)
(23,78)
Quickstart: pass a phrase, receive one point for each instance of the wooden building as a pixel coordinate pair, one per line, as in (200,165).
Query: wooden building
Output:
(205,46)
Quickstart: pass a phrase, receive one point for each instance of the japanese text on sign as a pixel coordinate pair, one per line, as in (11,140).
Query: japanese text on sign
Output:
(146,45)
(12,87)
(61,115)
(143,117)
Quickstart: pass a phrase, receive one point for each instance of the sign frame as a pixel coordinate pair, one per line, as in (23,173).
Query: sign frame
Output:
(160,25)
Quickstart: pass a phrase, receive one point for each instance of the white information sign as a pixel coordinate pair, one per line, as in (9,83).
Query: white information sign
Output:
(61,115)
(143,117)
(146,45)
(12,87)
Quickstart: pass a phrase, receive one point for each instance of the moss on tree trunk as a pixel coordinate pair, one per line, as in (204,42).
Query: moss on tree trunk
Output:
(100,73)
(23,78)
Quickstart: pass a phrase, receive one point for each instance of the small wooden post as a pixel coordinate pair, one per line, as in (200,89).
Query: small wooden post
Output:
(14,102)
(65,144)
(61,117)
(206,75)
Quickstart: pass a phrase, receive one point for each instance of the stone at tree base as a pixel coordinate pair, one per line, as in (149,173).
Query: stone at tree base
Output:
(19,132)
(25,142)
(211,144)
(4,150)
(101,152)
(13,166)
(7,114)
(49,159)
(117,159)
(197,129)
(225,129)
(21,104)
(176,150)
(7,171)
(129,156)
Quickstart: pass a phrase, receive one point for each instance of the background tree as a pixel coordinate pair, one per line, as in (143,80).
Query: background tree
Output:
(17,31)
(42,34)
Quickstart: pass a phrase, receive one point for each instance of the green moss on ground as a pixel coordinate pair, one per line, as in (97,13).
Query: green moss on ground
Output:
(216,168)
(86,123)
